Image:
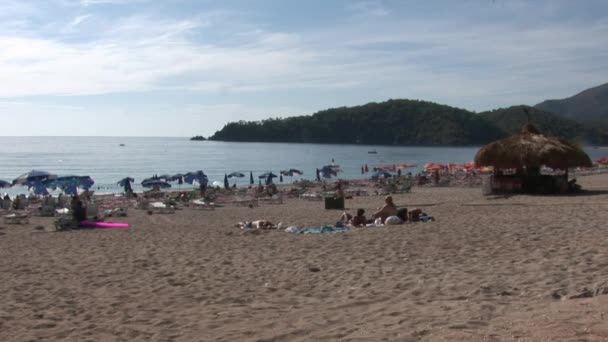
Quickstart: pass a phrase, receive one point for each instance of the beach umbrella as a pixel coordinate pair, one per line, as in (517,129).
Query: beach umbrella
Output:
(165,177)
(198,176)
(291,172)
(70,184)
(70,190)
(33,177)
(4,184)
(266,175)
(362,169)
(381,174)
(236,175)
(328,171)
(366,168)
(86,182)
(155,183)
(531,150)
(149,179)
(39,189)
(226,185)
(126,180)
(251,178)
(281,178)
(602,161)
(177,177)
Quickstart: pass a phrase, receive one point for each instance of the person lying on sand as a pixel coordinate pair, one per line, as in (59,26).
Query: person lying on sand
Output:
(389,209)
(259,224)
(357,221)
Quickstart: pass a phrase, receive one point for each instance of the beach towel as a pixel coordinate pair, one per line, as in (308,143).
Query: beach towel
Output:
(328,229)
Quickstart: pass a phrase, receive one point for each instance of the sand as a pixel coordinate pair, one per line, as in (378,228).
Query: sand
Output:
(488,269)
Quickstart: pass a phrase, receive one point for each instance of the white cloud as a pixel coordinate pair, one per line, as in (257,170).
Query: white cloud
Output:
(468,64)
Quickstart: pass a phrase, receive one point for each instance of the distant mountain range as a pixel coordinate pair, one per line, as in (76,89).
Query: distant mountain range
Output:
(586,106)
(582,118)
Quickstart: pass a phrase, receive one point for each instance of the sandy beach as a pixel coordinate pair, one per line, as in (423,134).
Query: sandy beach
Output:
(487,269)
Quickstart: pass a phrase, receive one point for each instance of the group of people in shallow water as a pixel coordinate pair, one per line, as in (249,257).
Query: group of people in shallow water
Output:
(387,214)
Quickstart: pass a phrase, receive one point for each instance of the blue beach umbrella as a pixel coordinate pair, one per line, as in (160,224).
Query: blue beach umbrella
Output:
(70,184)
(236,175)
(156,183)
(165,177)
(125,181)
(5,184)
(32,177)
(177,177)
(39,189)
(268,176)
(226,185)
(198,176)
(86,182)
(381,174)
(251,181)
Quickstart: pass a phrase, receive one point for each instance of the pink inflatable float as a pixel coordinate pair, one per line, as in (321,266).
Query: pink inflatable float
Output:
(107,225)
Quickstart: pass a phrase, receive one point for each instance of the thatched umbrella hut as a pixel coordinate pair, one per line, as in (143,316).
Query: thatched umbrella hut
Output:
(527,152)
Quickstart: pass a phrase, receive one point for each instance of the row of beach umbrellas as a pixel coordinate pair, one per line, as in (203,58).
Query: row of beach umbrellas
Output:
(41,181)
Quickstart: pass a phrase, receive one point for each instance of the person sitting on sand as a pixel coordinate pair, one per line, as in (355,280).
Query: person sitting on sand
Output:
(356,221)
(389,209)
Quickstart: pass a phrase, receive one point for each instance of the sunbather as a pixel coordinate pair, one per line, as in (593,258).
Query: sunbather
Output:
(355,221)
(389,209)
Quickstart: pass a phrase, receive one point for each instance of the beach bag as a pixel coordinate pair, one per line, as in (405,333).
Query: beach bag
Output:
(393,220)
(402,214)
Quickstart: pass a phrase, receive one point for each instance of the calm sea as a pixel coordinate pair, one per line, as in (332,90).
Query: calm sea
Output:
(106,161)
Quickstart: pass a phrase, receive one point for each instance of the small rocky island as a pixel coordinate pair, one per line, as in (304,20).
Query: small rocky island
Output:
(198,138)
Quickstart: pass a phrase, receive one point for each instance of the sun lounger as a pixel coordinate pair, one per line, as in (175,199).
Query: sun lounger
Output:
(201,205)
(311,197)
(16,218)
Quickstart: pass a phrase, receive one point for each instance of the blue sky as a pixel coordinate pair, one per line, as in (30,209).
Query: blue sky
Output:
(186,67)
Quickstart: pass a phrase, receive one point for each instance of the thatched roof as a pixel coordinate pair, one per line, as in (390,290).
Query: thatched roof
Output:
(531,149)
